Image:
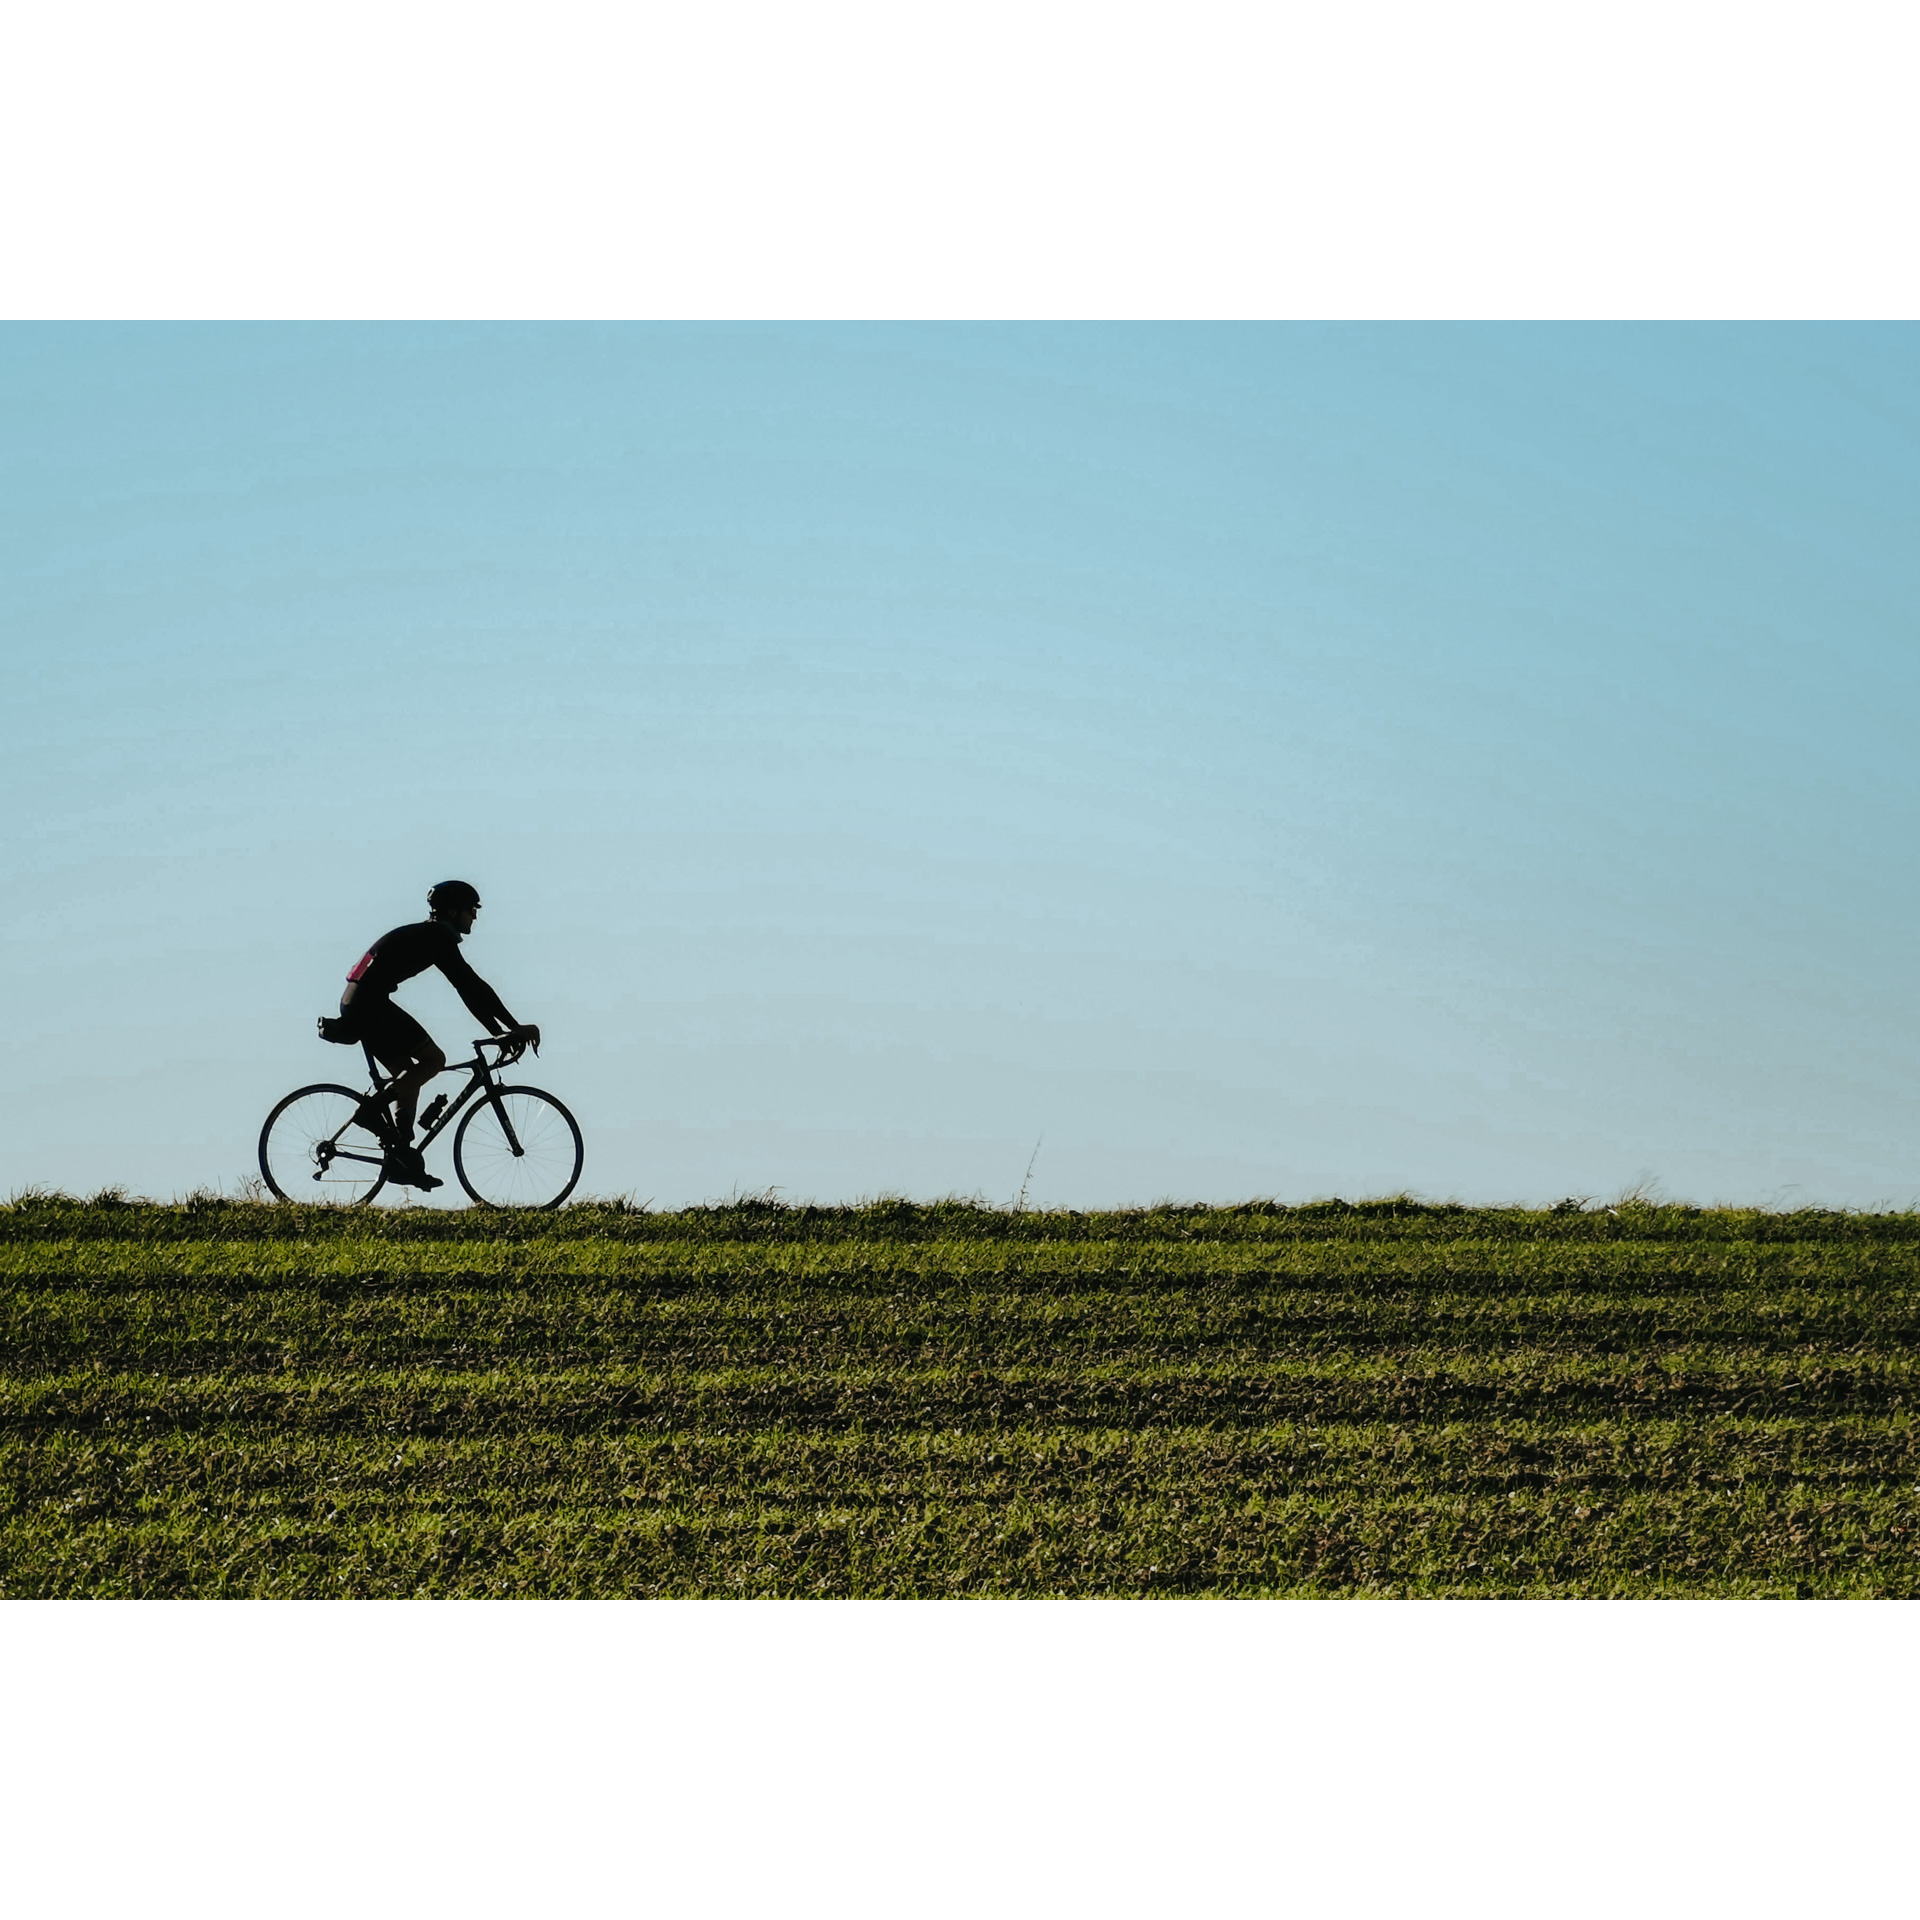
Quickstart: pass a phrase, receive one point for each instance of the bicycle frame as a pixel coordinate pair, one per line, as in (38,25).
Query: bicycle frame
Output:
(480,1072)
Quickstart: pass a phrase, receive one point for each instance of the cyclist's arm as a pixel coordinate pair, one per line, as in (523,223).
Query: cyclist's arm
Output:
(481,1001)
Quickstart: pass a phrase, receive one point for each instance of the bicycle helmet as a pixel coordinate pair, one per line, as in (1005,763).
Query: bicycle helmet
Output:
(453,894)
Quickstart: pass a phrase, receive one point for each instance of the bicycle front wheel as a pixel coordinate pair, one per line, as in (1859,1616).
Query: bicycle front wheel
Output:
(520,1148)
(311,1149)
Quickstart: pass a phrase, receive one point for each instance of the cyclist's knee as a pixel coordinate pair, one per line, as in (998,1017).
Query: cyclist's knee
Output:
(431,1061)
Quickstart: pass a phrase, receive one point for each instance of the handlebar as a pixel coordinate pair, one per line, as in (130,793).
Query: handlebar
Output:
(510,1043)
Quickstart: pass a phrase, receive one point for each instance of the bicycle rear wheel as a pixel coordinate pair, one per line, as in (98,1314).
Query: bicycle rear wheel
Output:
(311,1150)
(532,1160)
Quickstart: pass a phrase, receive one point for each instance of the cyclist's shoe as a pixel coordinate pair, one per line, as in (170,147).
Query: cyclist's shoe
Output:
(374,1117)
(407,1167)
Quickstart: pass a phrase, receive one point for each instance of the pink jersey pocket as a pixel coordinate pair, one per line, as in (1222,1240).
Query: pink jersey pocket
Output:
(361,965)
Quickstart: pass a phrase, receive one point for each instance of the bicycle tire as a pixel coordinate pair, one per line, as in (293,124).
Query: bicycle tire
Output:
(289,1160)
(542,1174)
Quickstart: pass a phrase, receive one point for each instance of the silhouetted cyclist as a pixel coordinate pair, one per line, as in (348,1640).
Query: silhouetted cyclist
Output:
(399,1042)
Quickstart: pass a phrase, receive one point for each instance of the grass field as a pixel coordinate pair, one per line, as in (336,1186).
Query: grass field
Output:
(228,1399)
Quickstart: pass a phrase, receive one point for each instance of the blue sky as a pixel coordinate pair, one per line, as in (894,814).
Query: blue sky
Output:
(1264,759)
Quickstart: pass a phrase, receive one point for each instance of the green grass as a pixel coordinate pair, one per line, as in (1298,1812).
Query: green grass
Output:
(227,1399)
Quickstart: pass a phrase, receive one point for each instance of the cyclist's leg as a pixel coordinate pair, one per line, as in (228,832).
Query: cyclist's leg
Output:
(407,1051)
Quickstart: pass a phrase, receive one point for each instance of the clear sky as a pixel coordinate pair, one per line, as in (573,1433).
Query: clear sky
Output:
(1244,760)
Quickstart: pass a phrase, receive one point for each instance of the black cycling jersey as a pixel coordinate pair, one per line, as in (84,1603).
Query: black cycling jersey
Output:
(399,955)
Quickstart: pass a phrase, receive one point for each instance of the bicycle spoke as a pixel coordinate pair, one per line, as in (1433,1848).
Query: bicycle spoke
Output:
(311,1150)
(543,1169)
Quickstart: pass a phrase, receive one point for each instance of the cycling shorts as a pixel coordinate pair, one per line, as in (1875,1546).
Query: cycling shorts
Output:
(396,1037)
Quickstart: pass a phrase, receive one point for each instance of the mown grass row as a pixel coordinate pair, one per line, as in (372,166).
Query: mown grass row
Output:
(229,1399)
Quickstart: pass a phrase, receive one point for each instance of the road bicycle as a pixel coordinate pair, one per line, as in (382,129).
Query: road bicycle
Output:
(514,1146)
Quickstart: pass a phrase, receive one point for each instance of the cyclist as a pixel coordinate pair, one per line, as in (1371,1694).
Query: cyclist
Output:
(398,1041)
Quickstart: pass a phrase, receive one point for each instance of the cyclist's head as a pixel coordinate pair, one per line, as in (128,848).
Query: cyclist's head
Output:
(453,900)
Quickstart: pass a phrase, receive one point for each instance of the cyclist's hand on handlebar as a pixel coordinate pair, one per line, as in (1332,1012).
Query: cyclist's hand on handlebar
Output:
(521,1038)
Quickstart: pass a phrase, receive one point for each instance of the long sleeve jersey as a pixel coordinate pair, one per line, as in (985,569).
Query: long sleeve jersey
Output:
(399,955)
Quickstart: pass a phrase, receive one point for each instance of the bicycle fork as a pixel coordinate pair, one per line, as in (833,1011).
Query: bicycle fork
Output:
(506,1126)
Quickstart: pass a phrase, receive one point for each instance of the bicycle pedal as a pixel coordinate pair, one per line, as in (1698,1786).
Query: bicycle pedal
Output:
(406,1168)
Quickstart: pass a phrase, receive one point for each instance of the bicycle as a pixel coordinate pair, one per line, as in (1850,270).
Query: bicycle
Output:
(514,1147)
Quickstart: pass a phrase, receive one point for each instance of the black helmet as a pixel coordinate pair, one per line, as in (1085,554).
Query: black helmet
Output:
(452,893)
